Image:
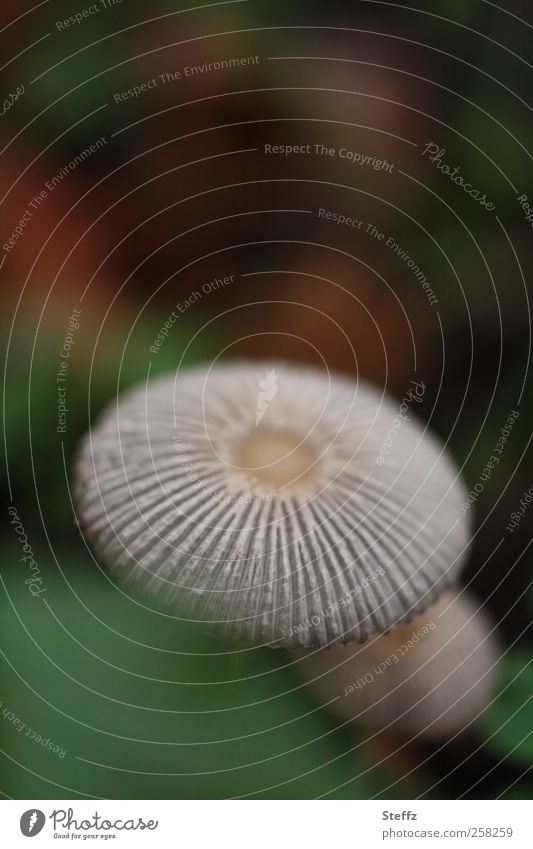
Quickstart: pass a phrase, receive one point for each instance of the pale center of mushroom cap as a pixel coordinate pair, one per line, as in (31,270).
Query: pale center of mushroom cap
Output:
(273,458)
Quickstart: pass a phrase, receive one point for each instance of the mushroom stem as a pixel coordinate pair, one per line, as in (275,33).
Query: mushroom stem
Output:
(431,677)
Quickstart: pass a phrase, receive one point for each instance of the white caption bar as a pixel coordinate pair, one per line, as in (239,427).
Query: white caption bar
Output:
(264,824)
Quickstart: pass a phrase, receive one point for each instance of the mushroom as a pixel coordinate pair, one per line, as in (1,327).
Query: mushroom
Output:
(431,677)
(287,504)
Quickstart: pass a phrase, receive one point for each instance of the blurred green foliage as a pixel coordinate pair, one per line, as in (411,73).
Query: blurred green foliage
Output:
(507,725)
(147,706)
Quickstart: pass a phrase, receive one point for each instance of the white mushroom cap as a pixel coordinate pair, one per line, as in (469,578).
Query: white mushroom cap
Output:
(260,496)
(431,677)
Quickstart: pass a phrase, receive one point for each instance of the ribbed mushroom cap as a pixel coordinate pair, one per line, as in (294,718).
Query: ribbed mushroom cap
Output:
(259,496)
(431,677)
